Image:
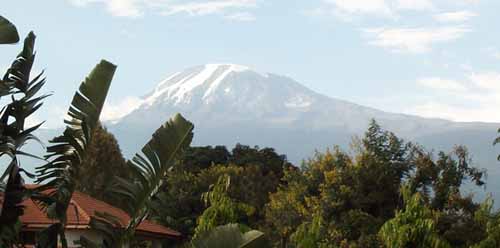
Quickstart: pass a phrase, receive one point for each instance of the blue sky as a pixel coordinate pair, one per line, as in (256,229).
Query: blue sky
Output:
(435,58)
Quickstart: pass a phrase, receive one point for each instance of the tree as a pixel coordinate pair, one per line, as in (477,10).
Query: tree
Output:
(286,207)
(196,159)
(230,236)
(221,208)
(414,226)
(309,234)
(104,161)
(439,181)
(491,220)
(267,158)
(179,203)
(353,195)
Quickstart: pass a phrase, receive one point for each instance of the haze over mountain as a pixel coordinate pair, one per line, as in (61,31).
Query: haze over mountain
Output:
(232,104)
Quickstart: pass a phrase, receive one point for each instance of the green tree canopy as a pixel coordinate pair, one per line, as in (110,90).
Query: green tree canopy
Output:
(414,226)
(354,194)
(103,162)
(179,203)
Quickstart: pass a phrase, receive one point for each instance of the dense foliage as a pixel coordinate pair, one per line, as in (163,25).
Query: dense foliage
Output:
(354,195)
(254,173)
(104,161)
(336,198)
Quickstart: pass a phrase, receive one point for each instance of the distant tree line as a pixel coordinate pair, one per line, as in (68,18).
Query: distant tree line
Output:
(384,192)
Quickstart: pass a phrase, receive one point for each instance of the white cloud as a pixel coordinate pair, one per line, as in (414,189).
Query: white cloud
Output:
(361,7)
(493,52)
(487,81)
(208,7)
(415,5)
(123,8)
(116,111)
(241,17)
(459,16)
(442,84)
(380,8)
(457,113)
(478,99)
(413,40)
(137,8)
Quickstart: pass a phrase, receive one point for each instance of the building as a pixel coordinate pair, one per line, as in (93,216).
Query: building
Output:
(82,208)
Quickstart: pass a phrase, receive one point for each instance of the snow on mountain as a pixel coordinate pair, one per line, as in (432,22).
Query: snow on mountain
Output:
(181,86)
(235,93)
(232,103)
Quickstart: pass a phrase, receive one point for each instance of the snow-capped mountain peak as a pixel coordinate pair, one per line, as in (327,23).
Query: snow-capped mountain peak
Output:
(231,103)
(181,86)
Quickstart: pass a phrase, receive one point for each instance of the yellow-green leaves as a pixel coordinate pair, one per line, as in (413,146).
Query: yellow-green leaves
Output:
(230,236)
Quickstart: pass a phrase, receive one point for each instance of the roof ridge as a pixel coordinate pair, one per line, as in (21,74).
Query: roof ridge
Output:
(34,217)
(80,210)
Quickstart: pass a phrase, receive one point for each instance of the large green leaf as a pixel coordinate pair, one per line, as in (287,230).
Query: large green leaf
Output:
(12,207)
(106,225)
(230,236)
(14,134)
(148,171)
(68,151)
(8,32)
(150,167)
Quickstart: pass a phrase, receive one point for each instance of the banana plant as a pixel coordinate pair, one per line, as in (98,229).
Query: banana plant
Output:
(8,32)
(148,169)
(23,92)
(230,236)
(68,151)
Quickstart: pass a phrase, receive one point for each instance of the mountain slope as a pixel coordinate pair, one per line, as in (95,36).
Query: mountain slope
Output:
(232,104)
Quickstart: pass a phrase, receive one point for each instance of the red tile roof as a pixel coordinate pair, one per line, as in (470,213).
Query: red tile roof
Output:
(82,208)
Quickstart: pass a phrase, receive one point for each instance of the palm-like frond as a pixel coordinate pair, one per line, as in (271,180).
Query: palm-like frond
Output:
(16,82)
(48,237)
(109,227)
(11,207)
(8,32)
(69,150)
(229,236)
(149,169)
(13,134)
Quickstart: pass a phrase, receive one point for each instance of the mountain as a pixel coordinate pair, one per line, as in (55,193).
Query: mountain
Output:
(232,104)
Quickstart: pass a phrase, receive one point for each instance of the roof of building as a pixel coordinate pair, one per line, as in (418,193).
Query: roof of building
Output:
(82,208)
